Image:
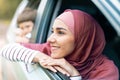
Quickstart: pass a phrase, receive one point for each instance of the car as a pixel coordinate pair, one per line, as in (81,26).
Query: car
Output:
(106,12)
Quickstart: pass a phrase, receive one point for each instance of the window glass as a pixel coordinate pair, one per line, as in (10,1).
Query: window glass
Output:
(34,3)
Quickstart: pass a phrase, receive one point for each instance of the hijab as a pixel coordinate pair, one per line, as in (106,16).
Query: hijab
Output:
(89,41)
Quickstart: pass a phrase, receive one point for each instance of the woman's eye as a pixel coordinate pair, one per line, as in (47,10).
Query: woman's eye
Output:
(61,32)
(57,32)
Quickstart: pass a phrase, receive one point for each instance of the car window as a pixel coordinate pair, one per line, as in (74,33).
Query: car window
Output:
(33,4)
(43,20)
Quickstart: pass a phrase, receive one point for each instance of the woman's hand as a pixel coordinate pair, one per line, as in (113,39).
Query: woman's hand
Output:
(54,68)
(44,60)
(43,64)
(41,58)
(62,66)
(19,32)
(55,65)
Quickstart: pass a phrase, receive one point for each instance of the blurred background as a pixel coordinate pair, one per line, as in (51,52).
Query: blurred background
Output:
(7,9)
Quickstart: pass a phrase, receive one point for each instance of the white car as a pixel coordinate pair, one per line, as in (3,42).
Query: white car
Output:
(106,12)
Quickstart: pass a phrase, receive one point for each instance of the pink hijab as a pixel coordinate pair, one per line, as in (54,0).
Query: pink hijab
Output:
(87,56)
(89,41)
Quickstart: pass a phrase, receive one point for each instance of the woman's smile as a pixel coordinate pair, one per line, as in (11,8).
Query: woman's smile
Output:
(54,48)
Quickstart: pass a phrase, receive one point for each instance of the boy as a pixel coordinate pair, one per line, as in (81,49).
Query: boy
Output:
(25,23)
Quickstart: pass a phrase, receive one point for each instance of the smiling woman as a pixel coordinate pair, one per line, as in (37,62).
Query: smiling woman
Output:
(77,42)
(61,35)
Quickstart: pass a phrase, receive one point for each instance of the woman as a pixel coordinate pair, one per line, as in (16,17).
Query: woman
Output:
(74,48)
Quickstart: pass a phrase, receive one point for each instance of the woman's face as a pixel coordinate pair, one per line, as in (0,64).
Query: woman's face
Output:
(61,40)
(26,26)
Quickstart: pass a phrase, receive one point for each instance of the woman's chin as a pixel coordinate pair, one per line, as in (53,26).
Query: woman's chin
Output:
(53,55)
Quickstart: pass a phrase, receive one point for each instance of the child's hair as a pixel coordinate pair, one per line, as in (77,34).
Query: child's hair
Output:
(28,14)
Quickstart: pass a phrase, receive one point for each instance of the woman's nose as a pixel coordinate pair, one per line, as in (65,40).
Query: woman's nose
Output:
(51,38)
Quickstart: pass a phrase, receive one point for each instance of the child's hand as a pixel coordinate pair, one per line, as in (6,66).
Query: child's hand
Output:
(19,32)
(20,39)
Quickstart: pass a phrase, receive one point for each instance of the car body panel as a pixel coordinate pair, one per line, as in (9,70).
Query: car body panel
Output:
(111,10)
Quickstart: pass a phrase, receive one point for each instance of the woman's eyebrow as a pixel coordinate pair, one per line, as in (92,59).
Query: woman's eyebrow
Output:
(60,28)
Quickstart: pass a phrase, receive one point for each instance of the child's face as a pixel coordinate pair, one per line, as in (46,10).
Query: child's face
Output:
(26,26)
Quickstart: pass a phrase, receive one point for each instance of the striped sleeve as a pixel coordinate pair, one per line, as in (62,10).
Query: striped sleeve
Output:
(16,52)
